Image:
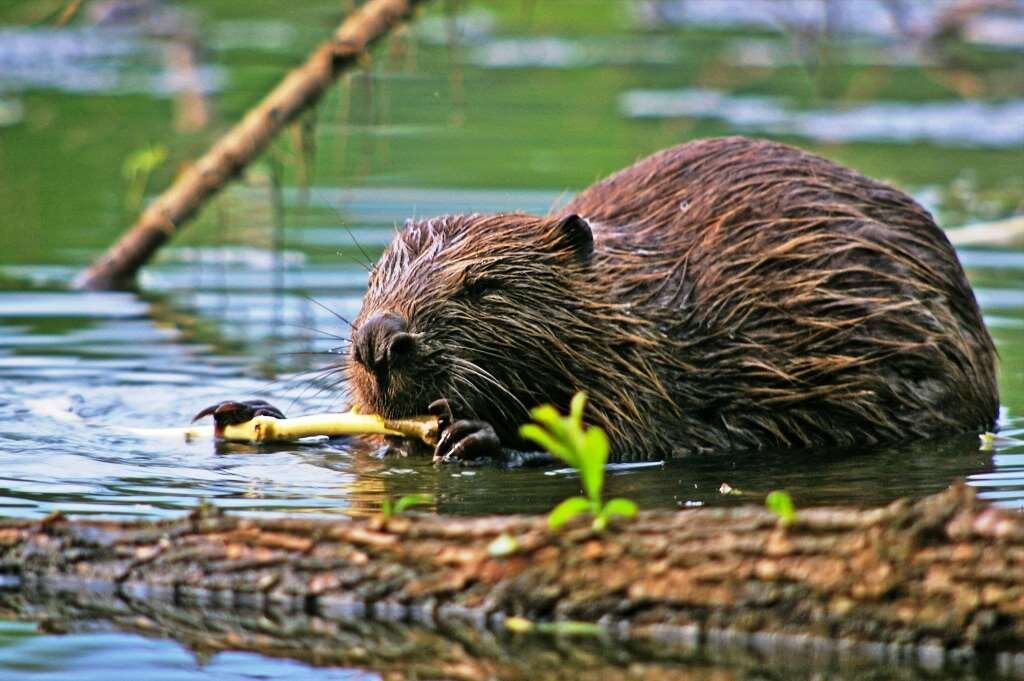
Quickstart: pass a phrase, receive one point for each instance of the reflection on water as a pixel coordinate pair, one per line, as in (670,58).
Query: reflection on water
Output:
(101,656)
(92,60)
(993,24)
(559,53)
(958,122)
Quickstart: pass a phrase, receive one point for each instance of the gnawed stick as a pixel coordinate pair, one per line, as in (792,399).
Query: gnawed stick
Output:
(270,429)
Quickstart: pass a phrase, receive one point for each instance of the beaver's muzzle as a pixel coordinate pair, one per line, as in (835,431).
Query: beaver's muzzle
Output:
(381,343)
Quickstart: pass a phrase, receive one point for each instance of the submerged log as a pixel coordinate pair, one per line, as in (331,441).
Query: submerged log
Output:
(933,582)
(299,90)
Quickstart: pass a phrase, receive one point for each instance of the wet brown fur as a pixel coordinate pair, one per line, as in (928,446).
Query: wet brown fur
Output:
(741,294)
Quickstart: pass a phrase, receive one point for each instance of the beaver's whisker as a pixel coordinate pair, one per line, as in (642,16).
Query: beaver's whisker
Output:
(461,397)
(486,376)
(304,353)
(317,380)
(368,265)
(313,329)
(328,310)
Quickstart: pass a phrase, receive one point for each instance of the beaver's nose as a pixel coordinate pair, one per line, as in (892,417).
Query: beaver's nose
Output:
(382,341)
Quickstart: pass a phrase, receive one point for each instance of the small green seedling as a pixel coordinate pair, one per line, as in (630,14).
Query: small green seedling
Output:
(586,450)
(780,503)
(137,169)
(390,509)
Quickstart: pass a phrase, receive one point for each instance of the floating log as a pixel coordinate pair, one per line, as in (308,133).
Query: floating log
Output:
(936,582)
(299,90)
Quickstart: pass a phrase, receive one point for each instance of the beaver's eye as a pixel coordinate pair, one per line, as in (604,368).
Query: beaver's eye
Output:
(477,287)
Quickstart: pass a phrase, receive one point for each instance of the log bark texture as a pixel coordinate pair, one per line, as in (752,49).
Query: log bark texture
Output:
(937,582)
(299,90)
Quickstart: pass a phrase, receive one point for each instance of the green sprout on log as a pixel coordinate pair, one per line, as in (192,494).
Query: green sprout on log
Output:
(586,450)
(780,503)
(390,509)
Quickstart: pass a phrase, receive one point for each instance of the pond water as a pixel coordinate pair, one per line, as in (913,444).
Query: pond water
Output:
(508,106)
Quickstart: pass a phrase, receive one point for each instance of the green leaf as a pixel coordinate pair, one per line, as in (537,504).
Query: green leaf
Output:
(558,425)
(780,503)
(546,415)
(566,511)
(143,161)
(533,432)
(410,500)
(586,450)
(579,400)
(387,509)
(619,506)
(593,457)
(574,422)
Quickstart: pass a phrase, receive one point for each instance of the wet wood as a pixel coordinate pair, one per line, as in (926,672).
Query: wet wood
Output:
(939,581)
(1000,233)
(299,90)
(270,429)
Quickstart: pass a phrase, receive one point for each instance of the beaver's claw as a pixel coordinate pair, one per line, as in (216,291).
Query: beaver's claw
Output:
(463,440)
(231,413)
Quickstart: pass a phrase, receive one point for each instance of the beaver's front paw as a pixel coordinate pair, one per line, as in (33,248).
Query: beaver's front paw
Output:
(231,413)
(465,441)
(468,442)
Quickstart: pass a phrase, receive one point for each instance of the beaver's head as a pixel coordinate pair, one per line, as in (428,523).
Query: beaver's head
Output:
(487,311)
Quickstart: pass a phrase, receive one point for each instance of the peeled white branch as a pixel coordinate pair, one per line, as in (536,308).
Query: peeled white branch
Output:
(270,429)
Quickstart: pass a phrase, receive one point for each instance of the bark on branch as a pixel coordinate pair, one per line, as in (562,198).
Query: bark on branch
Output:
(940,580)
(298,91)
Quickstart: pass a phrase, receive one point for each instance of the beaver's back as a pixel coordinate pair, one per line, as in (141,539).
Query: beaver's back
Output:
(798,302)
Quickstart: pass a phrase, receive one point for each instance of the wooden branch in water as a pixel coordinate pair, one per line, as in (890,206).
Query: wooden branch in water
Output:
(299,90)
(938,581)
(262,429)
(1006,232)
(270,429)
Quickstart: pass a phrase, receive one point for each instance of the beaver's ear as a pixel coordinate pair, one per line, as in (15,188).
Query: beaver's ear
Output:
(575,233)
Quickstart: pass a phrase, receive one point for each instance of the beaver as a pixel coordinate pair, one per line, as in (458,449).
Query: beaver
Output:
(722,295)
